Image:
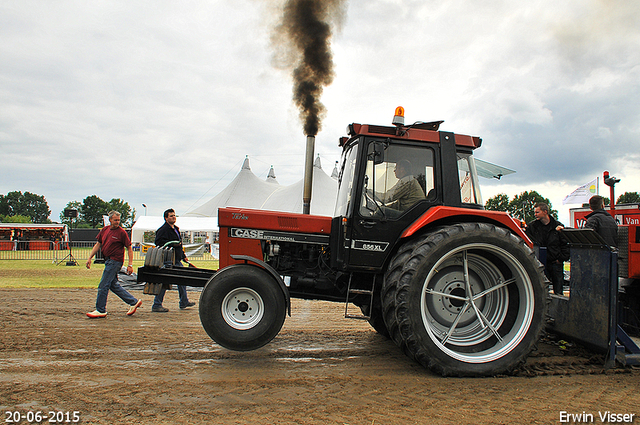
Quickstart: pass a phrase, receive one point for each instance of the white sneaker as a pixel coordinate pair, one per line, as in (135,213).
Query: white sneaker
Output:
(133,308)
(96,314)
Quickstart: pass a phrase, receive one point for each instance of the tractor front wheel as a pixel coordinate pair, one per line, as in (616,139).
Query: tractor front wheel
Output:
(242,307)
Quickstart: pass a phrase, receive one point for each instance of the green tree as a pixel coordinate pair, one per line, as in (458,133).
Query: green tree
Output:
(522,206)
(93,208)
(15,219)
(36,207)
(9,203)
(500,202)
(629,198)
(28,204)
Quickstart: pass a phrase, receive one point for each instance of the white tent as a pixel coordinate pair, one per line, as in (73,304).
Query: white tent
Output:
(324,190)
(145,223)
(246,190)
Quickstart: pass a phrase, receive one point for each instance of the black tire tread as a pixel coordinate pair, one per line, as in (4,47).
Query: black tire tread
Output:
(399,277)
(219,285)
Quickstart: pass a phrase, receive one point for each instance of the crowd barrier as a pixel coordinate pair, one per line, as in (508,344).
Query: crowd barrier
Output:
(43,250)
(57,251)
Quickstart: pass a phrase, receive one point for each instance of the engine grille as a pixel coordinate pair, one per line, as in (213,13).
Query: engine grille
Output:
(288,222)
(623,251)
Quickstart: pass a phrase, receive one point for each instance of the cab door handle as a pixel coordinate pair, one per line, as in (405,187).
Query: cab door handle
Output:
(368,223)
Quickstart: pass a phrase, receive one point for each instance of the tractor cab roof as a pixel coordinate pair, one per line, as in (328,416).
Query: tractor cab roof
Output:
(420,131)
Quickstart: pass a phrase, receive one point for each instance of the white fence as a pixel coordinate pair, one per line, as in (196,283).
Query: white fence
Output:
(58,251)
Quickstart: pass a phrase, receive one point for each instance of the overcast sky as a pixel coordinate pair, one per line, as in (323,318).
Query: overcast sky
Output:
(159,102)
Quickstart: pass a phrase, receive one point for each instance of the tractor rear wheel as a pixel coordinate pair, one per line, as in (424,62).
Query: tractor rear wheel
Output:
(465,300)
(242,307)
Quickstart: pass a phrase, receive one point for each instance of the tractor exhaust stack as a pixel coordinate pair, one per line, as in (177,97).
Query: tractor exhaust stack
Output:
(308,175)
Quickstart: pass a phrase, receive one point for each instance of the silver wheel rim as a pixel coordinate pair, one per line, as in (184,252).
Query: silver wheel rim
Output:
(242,308)
(466,299)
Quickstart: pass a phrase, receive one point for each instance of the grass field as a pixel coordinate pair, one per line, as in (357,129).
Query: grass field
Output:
(46,274)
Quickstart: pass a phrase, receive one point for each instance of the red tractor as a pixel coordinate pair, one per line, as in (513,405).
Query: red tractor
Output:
(456,287)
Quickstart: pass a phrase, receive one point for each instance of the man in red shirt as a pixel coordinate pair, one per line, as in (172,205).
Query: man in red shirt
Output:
(113,239)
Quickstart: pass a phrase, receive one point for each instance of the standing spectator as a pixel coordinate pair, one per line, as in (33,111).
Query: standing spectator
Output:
(544,231)
(169,232)
(113,239)
(602,222)
(19,243)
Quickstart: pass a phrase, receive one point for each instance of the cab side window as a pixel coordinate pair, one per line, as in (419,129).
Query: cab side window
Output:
(469,188)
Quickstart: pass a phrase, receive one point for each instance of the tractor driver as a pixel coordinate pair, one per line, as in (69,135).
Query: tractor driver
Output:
(406,191)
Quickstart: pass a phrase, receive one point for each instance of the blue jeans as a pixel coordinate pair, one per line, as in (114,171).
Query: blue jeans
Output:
(108,282)
(555,273)
(182,294)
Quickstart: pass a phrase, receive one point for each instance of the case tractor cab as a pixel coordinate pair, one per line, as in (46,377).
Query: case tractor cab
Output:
(410,249)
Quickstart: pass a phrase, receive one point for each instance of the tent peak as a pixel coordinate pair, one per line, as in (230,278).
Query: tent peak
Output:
(317,163)
(334,173)
(271,177)
(245,164)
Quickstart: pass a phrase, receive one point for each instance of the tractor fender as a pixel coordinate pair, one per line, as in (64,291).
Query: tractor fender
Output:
(443,214)
(272,272)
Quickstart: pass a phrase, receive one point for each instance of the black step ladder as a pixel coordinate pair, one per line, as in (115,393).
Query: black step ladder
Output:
(354,291)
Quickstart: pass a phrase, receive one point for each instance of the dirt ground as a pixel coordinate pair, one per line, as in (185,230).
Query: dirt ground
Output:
(320,369)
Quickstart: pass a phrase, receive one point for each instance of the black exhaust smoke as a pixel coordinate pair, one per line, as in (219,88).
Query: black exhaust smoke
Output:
(305,34)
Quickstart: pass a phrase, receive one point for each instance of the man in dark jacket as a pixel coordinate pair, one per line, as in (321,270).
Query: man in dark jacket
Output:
(544,231)
(602,222)
(169,232)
